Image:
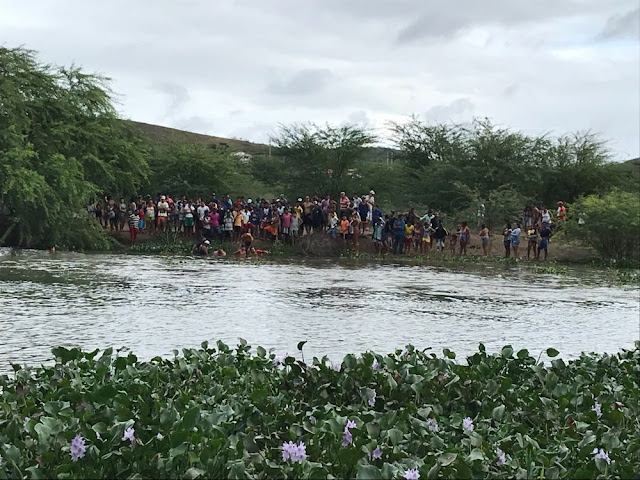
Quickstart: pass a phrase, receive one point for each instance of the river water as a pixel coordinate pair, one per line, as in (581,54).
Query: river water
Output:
(154,304)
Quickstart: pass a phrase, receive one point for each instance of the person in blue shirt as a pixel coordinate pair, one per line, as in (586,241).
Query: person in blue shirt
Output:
(398,235)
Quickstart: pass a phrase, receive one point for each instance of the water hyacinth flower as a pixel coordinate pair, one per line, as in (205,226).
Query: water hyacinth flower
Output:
(159,436)
(25,425)
(412,474)
(372,400)
(129,434)
(312,420)
(277,361)
(297,453)
(598,409)
(347,438)
(375,365)
(467,424)
(337,367)
(375,454)
(432,424)
(78,448)
(601,454)
(351,424)
(502,458)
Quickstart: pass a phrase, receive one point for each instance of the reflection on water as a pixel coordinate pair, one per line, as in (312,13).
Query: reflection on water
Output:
(152,305)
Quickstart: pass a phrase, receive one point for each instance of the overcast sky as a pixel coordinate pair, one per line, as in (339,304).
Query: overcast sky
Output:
(238,68)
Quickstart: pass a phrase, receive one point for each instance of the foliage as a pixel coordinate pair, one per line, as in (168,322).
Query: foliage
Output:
(611,224)
(193,170)
(455,168)
(60,143)
(316,160)
(227,413)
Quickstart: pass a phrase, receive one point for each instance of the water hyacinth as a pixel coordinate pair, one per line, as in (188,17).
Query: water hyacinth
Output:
(351,424)
(502,458)
(312,420)
(347,438)
(467,424)
(297,453)
(277,361)
(375,454)
(598,409)
(159,436)
(78,448)
(600,453)
(129,434)
(25,424)
(337,367)
(372,400)
(375,365)
(412,474)
(432,424)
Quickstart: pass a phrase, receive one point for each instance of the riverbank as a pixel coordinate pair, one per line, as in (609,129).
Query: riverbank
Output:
(245,413)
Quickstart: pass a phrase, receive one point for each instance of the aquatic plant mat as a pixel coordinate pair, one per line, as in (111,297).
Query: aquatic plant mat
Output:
(244,413)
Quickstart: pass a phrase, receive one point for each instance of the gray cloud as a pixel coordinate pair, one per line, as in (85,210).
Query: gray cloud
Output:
(451,111)
(623,26)
(240,67)
(304,82)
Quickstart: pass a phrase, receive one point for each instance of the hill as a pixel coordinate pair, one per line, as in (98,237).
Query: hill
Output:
(158,134)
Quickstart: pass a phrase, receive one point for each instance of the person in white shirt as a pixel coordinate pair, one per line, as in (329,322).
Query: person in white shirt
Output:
(163,211)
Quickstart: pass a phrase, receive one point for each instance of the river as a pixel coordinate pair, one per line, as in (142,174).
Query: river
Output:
(154,304)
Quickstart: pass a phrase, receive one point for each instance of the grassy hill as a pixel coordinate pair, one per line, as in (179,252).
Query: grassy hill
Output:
(158,134)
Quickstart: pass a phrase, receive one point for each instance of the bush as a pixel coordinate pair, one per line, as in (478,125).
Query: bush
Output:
(611,224)
(231,413)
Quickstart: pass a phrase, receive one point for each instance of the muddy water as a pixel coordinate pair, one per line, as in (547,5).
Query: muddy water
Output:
(153,304)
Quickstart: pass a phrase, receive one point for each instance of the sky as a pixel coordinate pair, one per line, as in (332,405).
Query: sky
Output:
(238,68)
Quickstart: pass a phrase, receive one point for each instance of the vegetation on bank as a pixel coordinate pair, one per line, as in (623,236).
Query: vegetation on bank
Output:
(62,144)
(243,413)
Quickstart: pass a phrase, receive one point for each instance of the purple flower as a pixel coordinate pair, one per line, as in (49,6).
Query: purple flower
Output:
(78,448)
(347,438)
(601,454)
(432,424)
(598,409)
(467,424)
(159,436)
(412,474)
(375,365)
(372,400)
(375,454)
(24,424)
(277,361)
(405,353)
(129,435)
(313,420)
(502,458)
(337,367)
(351,424)
(294,452)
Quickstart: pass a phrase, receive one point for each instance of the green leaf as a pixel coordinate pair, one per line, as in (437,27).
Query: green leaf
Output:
(433,471)
(498,413)
(552,352)
(507,351)
(395,436)
(369,472)
(190,418)
(193,473)
(524,353)
(447,458)
(476,454)
(301,344)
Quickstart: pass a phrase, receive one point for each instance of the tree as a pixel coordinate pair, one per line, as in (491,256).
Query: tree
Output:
(61,143)
(314,159)
(611,224)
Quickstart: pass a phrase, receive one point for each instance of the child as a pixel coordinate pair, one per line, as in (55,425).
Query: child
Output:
(408,237)
(295,227)
(545,235)
(378,228)
(333,225)
(228,224)
(464,234)
(418,235)
(344,227)
(453,240)
(286,224)
(532,243)
(426,237)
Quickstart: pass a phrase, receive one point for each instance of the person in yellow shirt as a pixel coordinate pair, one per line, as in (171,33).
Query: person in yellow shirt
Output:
(408,237)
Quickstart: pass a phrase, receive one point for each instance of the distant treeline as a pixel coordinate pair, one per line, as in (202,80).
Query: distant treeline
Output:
(63,144)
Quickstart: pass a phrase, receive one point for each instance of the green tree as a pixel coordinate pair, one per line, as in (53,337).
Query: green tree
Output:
(61,143)
(611,224)
(314,159)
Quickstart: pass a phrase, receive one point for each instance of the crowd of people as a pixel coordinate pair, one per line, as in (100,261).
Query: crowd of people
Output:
(243,220)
